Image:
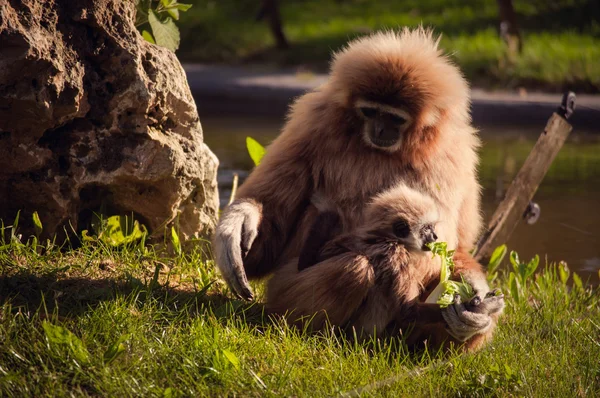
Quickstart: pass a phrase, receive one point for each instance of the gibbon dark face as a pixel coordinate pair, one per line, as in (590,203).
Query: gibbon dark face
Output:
(415,238)
(428,235)
(384,125)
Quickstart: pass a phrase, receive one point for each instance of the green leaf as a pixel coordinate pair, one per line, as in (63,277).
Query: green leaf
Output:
(115,349)
(166,33)
(37,223)
(174,13)
(61,337)
(13,230)
(563,272)
(169,393)
(148,36)
(176,242)
(119,231)
(496,258)
(514,260)
(231,358)
(85,237)
(255,150)
(577,282)
(444,292)
(532,266)
(183,7)
(514,286)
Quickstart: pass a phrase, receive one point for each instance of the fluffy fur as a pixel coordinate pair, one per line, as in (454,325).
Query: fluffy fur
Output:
(322,149)
(363,277)
(371,281)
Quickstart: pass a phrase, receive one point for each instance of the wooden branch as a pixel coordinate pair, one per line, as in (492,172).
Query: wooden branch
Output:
(518,196)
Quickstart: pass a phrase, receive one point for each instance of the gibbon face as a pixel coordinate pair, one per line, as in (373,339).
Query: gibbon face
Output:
(404,215)
(383,126)
(400,88)
(414,237)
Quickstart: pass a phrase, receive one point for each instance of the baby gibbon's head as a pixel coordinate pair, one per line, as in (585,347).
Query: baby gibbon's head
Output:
(404,215)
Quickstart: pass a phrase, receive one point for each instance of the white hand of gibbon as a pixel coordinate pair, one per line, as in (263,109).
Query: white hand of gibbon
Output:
(468,319)
(234,237)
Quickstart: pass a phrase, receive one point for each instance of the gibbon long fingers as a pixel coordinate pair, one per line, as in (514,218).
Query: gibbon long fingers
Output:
(234,237)
(490,305)
(464,324)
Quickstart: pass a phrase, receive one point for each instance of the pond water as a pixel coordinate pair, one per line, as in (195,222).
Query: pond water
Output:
(569,196)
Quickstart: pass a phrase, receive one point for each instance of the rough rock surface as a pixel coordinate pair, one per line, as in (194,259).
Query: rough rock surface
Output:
(92,115)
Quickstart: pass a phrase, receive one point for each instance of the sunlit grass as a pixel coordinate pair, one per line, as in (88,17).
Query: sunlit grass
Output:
(138,321)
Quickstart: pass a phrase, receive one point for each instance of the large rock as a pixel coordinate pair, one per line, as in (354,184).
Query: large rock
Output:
(92,116)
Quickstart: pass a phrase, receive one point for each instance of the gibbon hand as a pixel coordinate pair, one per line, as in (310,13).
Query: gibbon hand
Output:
(238,230)
(474,317)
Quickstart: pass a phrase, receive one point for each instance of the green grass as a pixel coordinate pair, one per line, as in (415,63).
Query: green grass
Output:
(561,38)
(139,322)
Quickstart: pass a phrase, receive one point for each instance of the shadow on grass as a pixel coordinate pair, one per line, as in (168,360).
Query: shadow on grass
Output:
(71,297)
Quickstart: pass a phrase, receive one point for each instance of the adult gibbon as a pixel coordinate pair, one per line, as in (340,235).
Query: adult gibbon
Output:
(394,109)
(371,280)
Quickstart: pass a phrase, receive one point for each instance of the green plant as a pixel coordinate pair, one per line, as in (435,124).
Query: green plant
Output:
(444,292)
(176,242)
(495,261)
(66,343)
(117,231)
(522,272)
(160,15)
(495,377)
(256,150)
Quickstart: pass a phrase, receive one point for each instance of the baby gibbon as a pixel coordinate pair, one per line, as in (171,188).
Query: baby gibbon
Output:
(372,278)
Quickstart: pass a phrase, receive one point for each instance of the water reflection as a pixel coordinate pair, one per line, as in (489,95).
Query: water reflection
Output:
(569,196)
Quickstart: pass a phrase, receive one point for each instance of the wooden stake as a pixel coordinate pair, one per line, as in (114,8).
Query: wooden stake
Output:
(518,196)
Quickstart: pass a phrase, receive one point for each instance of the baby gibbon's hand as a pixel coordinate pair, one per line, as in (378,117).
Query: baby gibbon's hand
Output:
(468,319)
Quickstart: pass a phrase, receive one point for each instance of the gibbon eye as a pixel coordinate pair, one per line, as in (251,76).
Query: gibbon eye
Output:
(397,119)
(401,228)
(368,112)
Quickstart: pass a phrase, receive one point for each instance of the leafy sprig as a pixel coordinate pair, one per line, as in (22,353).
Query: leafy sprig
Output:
(444,292)
(160,15)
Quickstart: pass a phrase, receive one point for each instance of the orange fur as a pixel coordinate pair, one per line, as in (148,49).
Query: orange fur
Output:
(365,277)
(306,298)
(321,148)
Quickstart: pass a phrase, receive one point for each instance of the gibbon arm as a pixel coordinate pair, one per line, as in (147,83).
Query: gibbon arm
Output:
(253,230)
